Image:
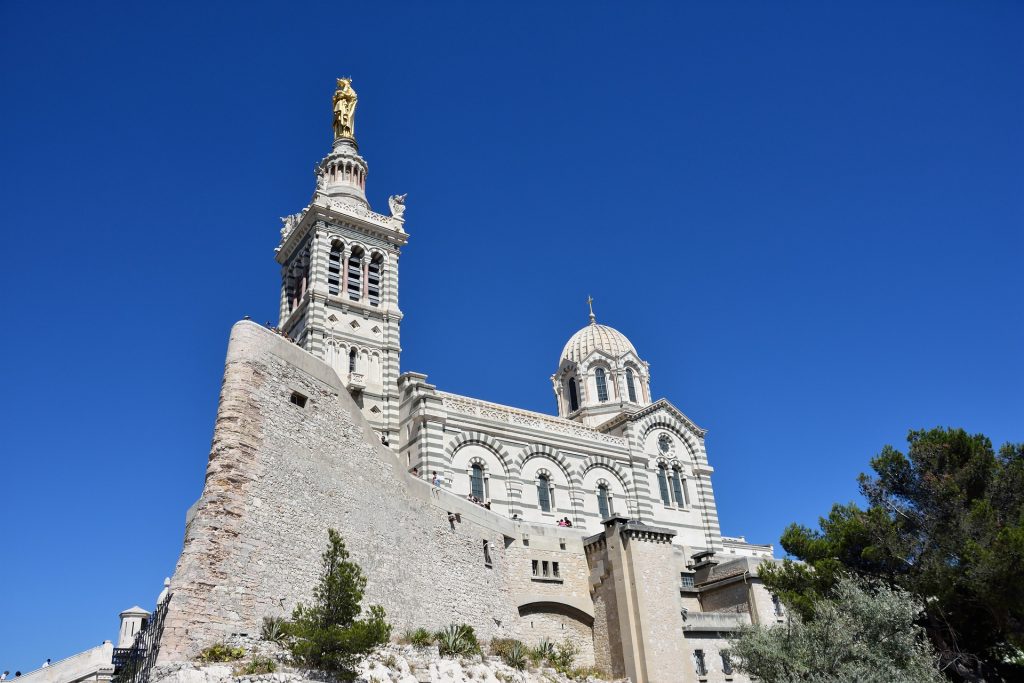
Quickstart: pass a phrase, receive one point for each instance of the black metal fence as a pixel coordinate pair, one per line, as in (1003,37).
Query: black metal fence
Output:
(133,664)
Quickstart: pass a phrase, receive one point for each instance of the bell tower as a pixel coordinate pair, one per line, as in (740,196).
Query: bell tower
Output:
(339,275)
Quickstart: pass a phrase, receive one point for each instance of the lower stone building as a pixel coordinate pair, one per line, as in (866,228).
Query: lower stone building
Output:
(596,524)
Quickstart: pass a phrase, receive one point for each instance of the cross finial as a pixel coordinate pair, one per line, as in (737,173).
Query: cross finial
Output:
(590,303)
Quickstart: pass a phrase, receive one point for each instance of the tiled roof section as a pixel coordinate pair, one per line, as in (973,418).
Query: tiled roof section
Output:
(596,337)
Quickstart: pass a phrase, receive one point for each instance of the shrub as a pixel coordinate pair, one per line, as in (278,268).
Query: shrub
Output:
(500,646)
(457,640)
(257,665)
(563,657)
(544,650)
(582,673)
(515,655)
(220,652)
(421,637)
(275,630)
(391,662)
(327,635)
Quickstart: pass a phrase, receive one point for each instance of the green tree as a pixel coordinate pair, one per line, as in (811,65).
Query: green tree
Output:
(328,635)
(945,521)
(863,632)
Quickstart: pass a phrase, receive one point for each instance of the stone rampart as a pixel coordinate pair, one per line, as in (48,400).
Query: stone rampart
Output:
(280,474)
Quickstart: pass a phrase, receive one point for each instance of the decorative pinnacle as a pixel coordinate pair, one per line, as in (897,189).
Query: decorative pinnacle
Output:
(590,303)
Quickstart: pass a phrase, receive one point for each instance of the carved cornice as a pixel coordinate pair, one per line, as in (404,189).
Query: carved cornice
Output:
(525,418)
(660,404)
(374,228)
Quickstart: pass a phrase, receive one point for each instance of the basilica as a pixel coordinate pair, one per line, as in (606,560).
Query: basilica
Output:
(596,524)
(612,448)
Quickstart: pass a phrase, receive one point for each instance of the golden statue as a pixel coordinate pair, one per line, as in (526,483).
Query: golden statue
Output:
(345,110)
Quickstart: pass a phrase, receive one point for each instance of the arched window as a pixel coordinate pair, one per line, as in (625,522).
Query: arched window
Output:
(629,385)
(476,481)
(334,269)
(352,359)
(602,501)
(574,399)
(602,386)
(355,274)
(677,488)
(544,492)
(663,484)
(373,276)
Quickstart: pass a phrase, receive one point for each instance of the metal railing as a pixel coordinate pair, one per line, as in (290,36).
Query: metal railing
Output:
(133,664)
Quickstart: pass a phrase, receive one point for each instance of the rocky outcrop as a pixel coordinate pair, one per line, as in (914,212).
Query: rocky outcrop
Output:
(391,664)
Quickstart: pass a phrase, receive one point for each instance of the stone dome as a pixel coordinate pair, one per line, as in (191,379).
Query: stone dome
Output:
(596,337)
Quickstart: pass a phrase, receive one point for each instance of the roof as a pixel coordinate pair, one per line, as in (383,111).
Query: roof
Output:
(596,337)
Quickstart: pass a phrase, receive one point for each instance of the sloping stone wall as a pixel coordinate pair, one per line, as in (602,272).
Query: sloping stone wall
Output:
(279,475)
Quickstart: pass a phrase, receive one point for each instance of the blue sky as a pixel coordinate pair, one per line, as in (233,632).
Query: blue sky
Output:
(806,216)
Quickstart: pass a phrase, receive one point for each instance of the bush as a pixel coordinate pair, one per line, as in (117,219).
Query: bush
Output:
(544,650)
(515,655)
(582,673)
(500,646)
(219,652)
(327,635)
(420,637)
(256,666)
(457,640)
(275,630)
(563,657)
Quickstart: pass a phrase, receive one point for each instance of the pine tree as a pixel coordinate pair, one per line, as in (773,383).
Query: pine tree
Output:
(328,634)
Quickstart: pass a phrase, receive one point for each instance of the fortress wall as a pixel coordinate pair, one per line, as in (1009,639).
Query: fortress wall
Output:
(280,475)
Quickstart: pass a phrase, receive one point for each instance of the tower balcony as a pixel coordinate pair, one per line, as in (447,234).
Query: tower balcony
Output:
(356,381)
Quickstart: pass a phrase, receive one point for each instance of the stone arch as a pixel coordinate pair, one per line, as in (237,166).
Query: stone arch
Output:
(541,451)
(615,468)
(661,422)
(488,442)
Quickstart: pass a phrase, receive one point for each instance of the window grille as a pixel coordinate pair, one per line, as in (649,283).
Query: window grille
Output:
(698,662)
(373,281)
(677,487)
(487,554)
(536,568)
(726,663)
(663,484)
(298,399)
(544,493)
(334,270)
(602,386)
(685,580)
(602,501)
(574,399)
(355,276)
(629,385)
(476,480)
(554,569)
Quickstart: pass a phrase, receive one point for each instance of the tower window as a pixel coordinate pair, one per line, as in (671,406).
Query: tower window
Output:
(298,399)
(373,277)
(602,501)
(544,493)
(663,484)
(334,269)
(629,385)
(355,275)
(487,553)
(677,488)
(352,360)
(602,385)
(574,399)
(476,481)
